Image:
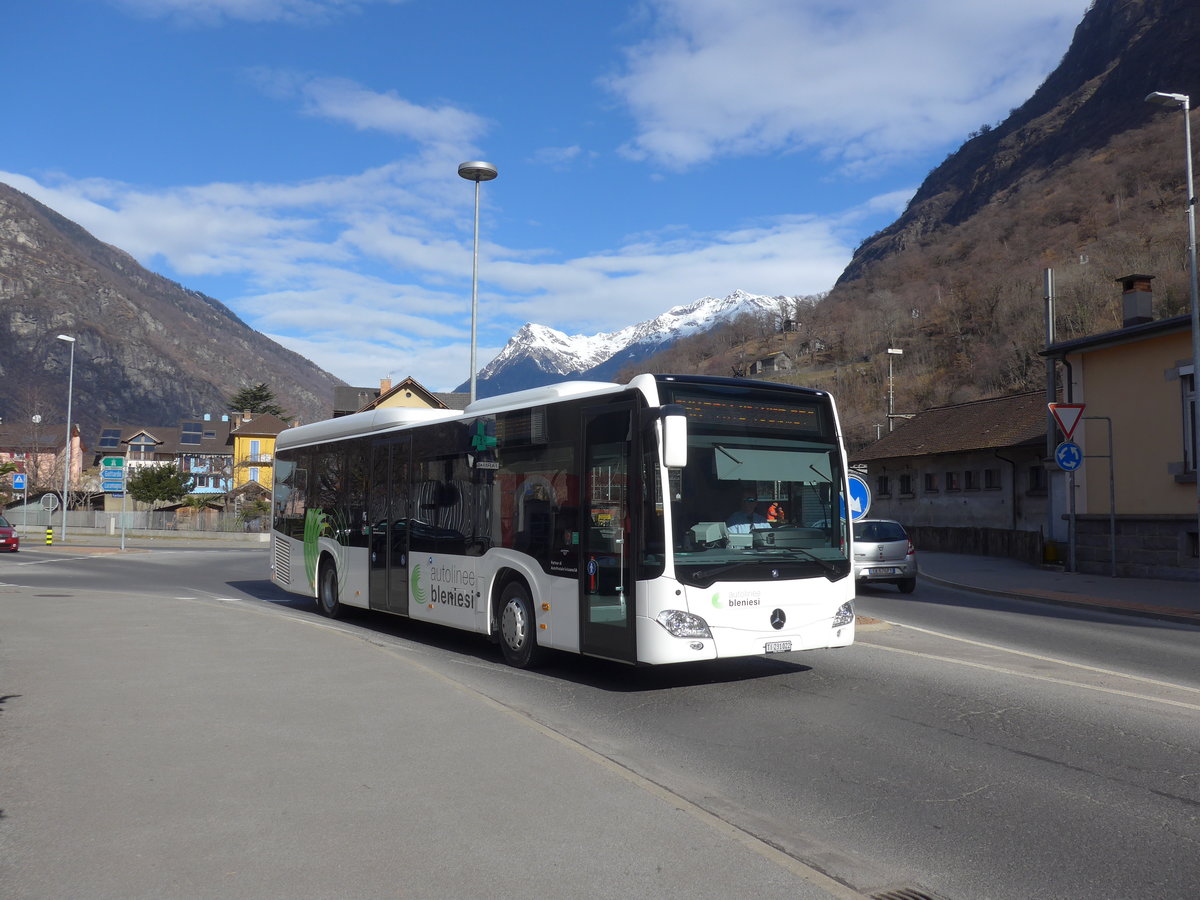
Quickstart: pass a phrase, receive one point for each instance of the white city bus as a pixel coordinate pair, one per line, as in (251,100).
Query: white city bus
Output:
(671,519)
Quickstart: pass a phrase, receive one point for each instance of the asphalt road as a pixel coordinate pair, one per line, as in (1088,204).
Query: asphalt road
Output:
(968,749)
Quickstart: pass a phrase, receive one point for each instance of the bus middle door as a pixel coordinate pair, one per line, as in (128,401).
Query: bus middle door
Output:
(606,614)
(388,505)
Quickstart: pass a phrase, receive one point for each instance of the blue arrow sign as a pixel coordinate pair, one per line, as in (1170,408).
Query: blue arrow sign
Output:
(110,486)
(860,498)
(1068,456)
(112,473)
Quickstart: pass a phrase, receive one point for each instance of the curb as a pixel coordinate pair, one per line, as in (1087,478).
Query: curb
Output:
(1077,601)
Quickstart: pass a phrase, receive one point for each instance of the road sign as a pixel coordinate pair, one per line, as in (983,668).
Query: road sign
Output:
(113,462)
(18,481)
(860,497)
(1068,456)
(50,502)
(112,473)
(1067,415)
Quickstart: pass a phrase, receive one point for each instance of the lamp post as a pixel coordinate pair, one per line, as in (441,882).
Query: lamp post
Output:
(1184,102)
(891,417)
(476,172)
(67,450)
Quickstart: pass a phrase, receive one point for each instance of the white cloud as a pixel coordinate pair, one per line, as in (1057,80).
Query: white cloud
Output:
(602,292)
(864,81)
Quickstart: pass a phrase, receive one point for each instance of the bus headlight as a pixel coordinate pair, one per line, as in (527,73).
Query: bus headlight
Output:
(682,624)
(844,615)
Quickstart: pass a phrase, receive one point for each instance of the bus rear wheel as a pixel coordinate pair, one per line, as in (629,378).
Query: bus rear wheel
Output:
(518,636)
(327,591)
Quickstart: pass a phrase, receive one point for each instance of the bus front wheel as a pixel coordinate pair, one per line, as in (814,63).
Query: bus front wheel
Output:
(327,592)
(518,636)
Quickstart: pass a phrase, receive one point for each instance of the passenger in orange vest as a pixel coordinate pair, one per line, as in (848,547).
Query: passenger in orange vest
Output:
(775,513)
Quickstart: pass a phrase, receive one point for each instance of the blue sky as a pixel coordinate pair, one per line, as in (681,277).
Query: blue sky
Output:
(297,159)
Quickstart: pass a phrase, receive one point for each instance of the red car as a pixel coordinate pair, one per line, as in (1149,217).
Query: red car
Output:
(9,540)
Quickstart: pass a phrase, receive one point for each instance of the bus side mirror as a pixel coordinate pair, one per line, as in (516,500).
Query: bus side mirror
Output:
(674,435)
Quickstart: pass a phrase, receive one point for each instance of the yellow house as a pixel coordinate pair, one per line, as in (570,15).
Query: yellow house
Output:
(253,439)
(406,393)
(1137,481)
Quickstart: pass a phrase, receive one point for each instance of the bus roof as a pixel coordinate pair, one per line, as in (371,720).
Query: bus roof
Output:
(361,423)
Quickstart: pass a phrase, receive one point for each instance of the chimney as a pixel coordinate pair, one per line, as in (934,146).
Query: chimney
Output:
(245,415)
(1137,303)
(385,385)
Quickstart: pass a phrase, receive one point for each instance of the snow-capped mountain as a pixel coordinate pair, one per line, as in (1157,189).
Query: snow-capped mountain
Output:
(538,355)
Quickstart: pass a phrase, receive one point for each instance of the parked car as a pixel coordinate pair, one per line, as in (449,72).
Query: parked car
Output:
(9,539)
(884,553)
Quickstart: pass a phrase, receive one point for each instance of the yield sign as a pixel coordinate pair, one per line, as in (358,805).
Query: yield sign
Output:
(1067,415)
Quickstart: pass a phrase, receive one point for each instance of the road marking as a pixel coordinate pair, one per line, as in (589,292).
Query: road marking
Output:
(1050,679)
(1051,659)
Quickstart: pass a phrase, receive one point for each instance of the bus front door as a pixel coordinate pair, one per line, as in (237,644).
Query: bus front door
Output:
(389,512)
(606,613)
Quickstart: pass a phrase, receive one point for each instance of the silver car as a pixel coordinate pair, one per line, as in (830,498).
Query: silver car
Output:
(883,553)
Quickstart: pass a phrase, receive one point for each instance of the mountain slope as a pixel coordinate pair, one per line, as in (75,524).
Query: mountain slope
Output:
(148,351)
(1121,51)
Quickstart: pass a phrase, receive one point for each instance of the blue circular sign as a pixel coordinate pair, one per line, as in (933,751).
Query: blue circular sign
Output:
(860,498)
(1068,456)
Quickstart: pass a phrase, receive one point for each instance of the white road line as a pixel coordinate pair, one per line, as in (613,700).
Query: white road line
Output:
(1041,658)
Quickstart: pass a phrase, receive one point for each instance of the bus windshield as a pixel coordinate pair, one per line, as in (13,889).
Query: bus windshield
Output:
(761,495)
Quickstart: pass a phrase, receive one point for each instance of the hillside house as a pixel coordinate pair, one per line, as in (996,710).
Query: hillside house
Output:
(775,364)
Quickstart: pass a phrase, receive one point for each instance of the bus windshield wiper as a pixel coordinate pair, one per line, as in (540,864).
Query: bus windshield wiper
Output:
(727,453)
(823,563)
(705,577)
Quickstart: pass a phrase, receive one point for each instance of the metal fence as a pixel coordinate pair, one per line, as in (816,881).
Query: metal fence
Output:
(35,518)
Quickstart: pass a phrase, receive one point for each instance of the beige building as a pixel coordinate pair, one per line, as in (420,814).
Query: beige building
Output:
(1137,482)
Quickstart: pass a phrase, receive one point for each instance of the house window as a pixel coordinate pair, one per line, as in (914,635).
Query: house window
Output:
(254,475)
(110,438)
(1037,480)
(883,486)
(991,479)
(906,485)
(931,483)
(190,433)
(1191,441)
(952,482)
(970,480)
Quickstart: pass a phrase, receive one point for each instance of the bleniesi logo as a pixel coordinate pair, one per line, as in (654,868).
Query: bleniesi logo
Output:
(447,586)
(737,598)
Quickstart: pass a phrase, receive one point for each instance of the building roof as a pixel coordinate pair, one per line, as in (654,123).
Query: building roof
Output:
(1126,335)
(1017,420)
(261,425)
(25,437)
(194,436)
(454,400)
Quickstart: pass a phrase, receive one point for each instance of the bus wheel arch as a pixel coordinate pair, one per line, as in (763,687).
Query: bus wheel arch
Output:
(516,624)
(328,602)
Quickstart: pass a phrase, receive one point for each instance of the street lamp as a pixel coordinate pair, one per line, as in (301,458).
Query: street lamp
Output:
(1183,101)
(67,450)
(891,416)
(476,172)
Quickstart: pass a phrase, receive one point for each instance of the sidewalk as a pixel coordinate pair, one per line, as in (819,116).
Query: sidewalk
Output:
(1176,601)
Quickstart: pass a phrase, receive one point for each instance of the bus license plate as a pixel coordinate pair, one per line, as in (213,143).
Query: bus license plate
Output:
(778,647)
